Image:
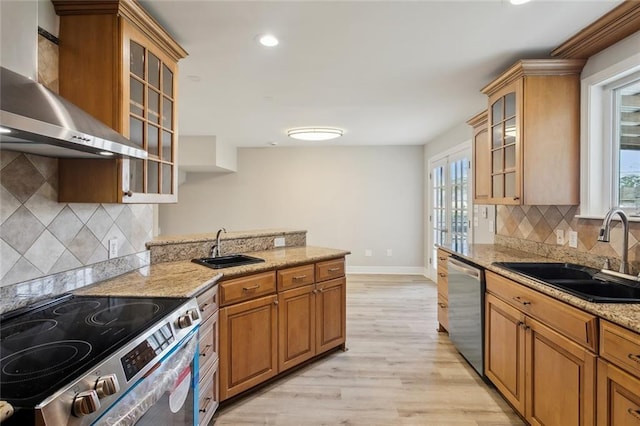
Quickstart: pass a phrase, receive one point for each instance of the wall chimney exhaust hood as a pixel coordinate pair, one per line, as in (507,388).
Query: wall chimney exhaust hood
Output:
(35,120)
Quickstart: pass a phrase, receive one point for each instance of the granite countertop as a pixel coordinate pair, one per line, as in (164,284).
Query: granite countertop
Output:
(188,279)
(195,238)
(624,314)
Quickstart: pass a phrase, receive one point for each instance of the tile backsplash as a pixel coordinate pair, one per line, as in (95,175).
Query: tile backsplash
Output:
(534,228)
(39,236)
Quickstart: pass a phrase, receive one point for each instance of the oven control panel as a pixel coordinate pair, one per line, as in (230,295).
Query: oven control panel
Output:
(137,358)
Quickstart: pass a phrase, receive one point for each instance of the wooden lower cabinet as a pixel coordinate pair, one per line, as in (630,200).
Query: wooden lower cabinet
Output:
(248,344)
(618,396)
(296,326)
(331,314)
(548,378)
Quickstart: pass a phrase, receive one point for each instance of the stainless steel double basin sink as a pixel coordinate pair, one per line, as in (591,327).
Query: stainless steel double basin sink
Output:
(228,261)
(586,283)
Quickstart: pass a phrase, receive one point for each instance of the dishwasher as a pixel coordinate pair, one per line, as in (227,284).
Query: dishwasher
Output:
(466,311)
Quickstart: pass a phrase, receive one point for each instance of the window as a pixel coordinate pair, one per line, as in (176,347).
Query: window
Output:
(626,145)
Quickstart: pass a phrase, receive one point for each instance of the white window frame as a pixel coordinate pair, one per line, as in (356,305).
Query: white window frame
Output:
(598,189)
(453,154)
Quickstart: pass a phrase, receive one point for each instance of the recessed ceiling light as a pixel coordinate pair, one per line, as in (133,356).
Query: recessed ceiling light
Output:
(314,133)
(268,40)
(519,2)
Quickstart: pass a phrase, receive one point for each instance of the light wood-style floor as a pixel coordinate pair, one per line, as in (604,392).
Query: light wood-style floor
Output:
(398,370)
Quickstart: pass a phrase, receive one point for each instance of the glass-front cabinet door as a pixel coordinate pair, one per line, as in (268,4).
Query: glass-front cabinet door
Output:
(505,145)
(149,122)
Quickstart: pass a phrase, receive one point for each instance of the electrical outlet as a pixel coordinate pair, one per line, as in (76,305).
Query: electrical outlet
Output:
(368,253)
(475,221)
(573,239)
(278,242)
(113,248)
(560,237)
(485,212)
(389,252)
(492,228)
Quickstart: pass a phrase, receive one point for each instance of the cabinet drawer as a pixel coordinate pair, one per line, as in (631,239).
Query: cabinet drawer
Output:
(329,269)
(575,324)
(208,302)
(208,398)
(295,277)
(443,312)
(620,346)
(443,256)
(208,346)
(246,288)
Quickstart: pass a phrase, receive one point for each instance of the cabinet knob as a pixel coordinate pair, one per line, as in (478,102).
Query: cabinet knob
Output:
(516,198)
(85,403)
(128,194)
(275,302)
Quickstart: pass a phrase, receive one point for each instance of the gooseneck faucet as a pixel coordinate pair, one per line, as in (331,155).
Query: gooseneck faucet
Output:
(605,235)
(215,250)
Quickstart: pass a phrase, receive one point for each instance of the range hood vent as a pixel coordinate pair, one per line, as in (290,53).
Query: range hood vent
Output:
(35,120)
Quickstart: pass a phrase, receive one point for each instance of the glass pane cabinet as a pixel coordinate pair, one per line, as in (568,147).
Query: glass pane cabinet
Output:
(530,139)
(94,45)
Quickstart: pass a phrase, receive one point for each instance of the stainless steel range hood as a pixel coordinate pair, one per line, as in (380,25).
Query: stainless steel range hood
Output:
(33,119)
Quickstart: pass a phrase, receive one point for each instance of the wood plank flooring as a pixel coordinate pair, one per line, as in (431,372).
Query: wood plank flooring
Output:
(398,370)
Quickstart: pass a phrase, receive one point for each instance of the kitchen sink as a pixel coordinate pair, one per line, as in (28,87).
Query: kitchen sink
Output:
(581,281)
(228,261)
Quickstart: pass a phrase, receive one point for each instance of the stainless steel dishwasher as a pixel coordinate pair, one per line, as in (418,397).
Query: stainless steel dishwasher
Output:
(466,311)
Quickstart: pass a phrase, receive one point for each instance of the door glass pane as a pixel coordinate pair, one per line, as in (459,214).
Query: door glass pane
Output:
(136,59)
(166,179)
(166,146)
(167,81)
(153,135)
(136,90)
(136,174)
(510,157)
(167,113)
(154,106)
(153,174)
(496,112)
(510,185)
(510,105)
(496,136)
(510,131)
(458,174)
(136,131)
(497,165)
(154,71)
(496,182)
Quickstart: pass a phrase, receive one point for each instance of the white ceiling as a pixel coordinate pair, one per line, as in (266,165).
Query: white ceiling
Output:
(387,72)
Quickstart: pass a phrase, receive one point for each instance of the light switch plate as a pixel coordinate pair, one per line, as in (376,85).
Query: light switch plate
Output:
(573,239)
(113,248)
(560,237)
(279,242)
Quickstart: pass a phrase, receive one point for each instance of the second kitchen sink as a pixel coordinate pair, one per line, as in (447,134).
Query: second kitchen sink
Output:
(228,261)
(581,281)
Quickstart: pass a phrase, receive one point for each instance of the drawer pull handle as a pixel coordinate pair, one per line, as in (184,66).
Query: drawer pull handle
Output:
(299,277)
(206,405)
(204,353)
(321,290)
(442,305)
(204,307)
(442,258)
(519,300)
(442,274)
(255,287)
(333,269)
(634,357)
(634,413)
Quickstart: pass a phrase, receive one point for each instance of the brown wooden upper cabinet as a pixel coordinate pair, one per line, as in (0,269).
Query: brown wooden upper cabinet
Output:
(120,65)
(530,151)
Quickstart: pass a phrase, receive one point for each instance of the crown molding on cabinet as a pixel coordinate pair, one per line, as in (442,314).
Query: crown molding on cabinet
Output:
(130,9)
(612,27)
(478,119)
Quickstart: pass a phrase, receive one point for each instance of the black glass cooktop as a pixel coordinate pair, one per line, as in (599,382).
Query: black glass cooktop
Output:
(44,349)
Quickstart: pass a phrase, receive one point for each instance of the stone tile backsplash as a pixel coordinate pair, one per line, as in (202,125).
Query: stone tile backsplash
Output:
(40,237)
(532,228)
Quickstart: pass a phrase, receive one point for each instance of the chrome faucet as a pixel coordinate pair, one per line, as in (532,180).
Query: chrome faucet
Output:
(215,250)
(605,235)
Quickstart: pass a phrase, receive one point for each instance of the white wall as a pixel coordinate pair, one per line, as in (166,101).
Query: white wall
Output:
(19,36)
(353,198)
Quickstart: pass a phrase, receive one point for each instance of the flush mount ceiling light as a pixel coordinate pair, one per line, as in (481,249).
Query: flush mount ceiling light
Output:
(268,40)
(519,2)
(314,133)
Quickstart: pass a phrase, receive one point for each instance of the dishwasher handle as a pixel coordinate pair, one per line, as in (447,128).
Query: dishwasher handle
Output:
(464,268)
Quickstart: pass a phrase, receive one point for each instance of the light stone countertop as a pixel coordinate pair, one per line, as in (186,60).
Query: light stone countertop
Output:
(624,314)
(188,279)
(195,238)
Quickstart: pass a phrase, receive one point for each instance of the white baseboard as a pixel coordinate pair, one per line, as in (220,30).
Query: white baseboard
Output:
(388,270)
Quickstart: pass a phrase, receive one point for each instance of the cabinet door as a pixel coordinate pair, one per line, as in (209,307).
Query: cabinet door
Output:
(443,291)
(248,345)
(504,135)
(148,119)
(331,314)
(481,160)
(560,379)
(618,396)
(504,350)
(296,326)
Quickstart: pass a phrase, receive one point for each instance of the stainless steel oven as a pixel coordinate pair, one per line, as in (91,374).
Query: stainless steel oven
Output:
(84,360)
